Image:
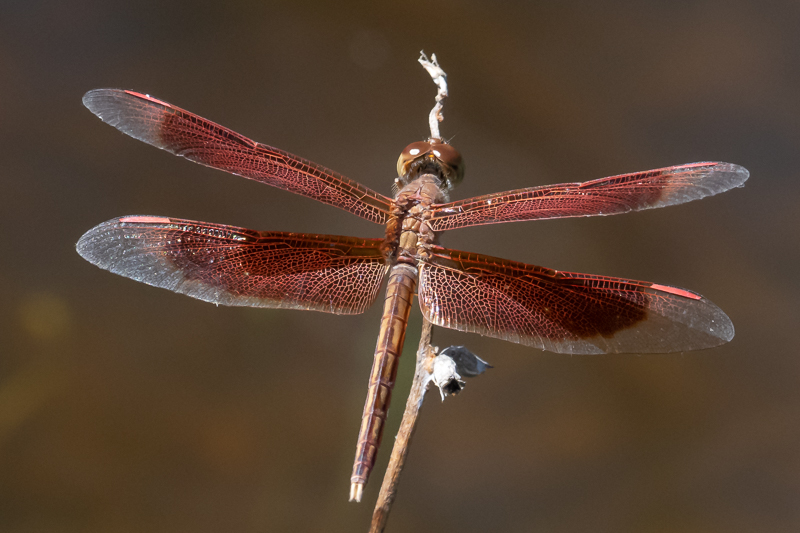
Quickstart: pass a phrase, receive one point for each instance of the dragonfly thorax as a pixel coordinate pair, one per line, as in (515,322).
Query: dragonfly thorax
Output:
(433,156)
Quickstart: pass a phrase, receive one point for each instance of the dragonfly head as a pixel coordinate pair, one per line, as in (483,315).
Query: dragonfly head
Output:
(433,156)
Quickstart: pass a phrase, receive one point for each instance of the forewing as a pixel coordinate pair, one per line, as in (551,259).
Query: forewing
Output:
(202,141)
(606,196)
(236,266)
(565,312)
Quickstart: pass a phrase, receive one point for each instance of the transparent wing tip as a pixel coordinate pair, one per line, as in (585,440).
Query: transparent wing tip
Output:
(737,174)
(94,245)
(98,100)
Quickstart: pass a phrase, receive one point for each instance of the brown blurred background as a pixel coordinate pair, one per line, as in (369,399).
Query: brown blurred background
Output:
(125,408)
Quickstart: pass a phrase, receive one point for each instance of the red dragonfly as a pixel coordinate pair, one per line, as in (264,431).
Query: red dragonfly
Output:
(561,312)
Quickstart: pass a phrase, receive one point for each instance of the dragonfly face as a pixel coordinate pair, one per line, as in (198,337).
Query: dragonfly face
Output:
(433,156)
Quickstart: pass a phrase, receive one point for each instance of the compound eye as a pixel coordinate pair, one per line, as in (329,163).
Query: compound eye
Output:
(446,154)
(409,154)
(452,161)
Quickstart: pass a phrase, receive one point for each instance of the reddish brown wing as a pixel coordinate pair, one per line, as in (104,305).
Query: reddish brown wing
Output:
(202,141)
(606,196)
(564,312)
(237,266)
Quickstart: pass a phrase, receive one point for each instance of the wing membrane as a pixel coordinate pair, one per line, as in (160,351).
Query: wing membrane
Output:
(606,196)
(565,312)
(237,266)
(185,134)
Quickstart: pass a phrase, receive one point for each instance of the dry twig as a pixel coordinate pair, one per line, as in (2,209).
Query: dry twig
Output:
(425,353)
(440,79)
(422,376)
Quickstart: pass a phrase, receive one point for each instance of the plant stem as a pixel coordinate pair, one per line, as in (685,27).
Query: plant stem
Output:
(422,376)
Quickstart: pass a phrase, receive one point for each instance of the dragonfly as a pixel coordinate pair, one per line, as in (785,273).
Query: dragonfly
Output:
(551,310)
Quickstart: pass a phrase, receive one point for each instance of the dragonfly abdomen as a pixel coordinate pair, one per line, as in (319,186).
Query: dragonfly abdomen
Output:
(399,296)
